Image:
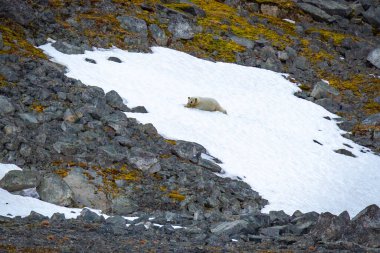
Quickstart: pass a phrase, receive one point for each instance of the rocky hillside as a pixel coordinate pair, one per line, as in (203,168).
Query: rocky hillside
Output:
(78,148)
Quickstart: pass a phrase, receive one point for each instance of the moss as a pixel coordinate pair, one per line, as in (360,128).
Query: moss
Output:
(372,107)
(304,87)
(165,156)
(176,196)
(37,107)
(171,142)
(287,4)
(14,39)
(326,35)
(62,172)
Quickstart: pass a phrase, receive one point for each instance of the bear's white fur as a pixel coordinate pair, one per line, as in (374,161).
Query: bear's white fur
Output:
(205,104)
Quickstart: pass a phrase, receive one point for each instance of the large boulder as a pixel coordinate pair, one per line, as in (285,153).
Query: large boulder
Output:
(54,190)
(330,227)
(332,7)
(123,205)
(373,120)
(324,90)
(144,160)
(85,193)
(182,28)
(133,24)
(372,16)
(316,12)
(188,150)
(67,48)
(17,180)
(229,227)
(158,35)
(374,57)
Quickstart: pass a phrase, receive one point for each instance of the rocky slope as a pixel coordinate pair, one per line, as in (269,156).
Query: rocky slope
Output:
(78,148)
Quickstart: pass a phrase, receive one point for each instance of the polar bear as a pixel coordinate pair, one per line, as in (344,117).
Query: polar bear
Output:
(205,104)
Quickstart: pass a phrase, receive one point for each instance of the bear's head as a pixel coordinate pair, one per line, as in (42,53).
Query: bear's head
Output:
(191,101)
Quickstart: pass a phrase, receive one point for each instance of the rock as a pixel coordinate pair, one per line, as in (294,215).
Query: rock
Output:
(90,216)
(17,180)
(316,12)
(270,10)
(85,193)
(158,35)
(54,190)
(188,150)
(34,216)
(114,152)
(374,57)
(193,10)
(282,56)
(332,7)
(330,227)
(303,223)
(139,109)
(6,106)
(123,205)
(329,104)
(324,90)
(344,152)
(181,28)
(372,120)
(366,227)
(114,59)
(117,224)
(275,231)
(28,117)
(278,218)
(17,10)
(133,24)
(90,60)
(229,228)
(144,160)
(209,165)
(114,100)
(372,16)
(301,63)
(67,48)
(65,148)
(242,41)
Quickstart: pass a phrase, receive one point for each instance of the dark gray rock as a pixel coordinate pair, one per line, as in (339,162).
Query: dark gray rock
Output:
(301,63)
(89,216)
(113,152)
(229,228)
(242,41)
(316,12)
(373,120)
(374,57)
(117,224)
(324,90)
(182,28)
(133,24)
(67,48)
(372,16)
(366,227)
(54,190)
(332,7)
(209,165)
(139,109)
(303,223)
(114,59)
(34,216)
(329,104)
(28,117)
(188,150)
(278,218)
(65,148)
(6,106)
(275,231)
(345,152)
(17,10)
(17,180)
(144,160)
(158,35)
(123,205)
(114,100)
(90,60)
(330,227)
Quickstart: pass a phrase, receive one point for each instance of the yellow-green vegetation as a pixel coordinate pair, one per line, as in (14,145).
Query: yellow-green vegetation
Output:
(326,35)
(62,172)
(285,4)
(171,142)
(223,18)
(15,41)
(358,84)
(37,107)
(304,87)
(176,196)
(2,81)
